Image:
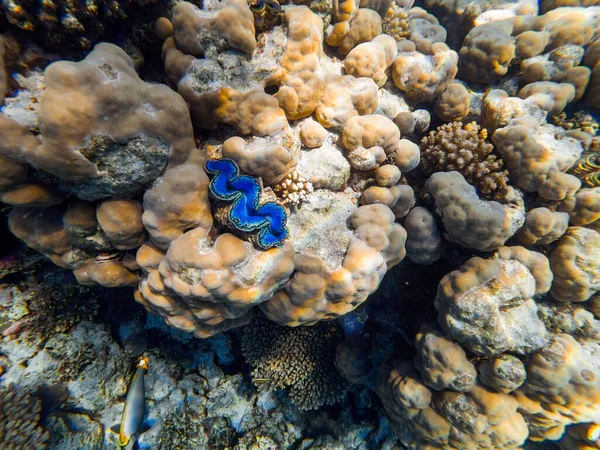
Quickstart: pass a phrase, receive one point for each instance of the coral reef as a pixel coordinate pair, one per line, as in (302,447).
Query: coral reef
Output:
(465,149)
(299,153)
(297,359)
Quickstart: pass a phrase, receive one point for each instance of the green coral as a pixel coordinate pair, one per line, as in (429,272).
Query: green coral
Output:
(298,359)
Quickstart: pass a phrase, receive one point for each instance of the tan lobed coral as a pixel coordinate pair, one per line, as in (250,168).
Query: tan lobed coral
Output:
(178,203)
(363,27)
(234,23)
(324,291)
(80,106)
(312,134)
(549,96)
(537,158)
(398,197)
(300,79)
(465,149)
(206,284)
(441,362)
(372,59)
(261,158)
(562,387)
(504,373)
(487,51)
(500,290)
(422,77)
(121,221)
(16,188)
(583,207)
(453,104)
(479,418)
(576,265)
(543,226)
(346,97)
(371,139)
(423,240)
(470,221)
(80,245)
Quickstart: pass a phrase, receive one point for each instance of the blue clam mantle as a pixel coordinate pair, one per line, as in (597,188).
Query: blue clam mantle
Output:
(246,214)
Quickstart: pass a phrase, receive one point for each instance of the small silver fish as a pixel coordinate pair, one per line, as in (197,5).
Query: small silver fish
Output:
(135,406)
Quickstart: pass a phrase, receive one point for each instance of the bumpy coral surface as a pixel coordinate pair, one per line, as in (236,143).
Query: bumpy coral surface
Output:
(279,175)
(465,149)
(470,221)
(298,359)
(501,290)
(20,413)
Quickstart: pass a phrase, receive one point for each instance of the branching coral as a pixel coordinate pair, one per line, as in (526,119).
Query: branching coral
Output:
(20,413)
(297,359)
(465,149)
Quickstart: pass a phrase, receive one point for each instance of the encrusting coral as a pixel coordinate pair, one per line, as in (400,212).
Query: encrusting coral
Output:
(297,359)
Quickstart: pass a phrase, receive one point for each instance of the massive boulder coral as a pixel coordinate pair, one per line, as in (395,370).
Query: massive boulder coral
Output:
(211,291)
(576,265)
(501,291)
(328,285)
(563,387)
(487,51)
(441,362)
(543,226)
(372,139)
(537,158)
(372,59)
(422,77)
(423,241)
(470,221)
(99,113)
(425,418)
(194,28)
(300,79)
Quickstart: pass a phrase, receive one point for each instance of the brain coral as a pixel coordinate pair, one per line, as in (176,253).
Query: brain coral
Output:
(298,359)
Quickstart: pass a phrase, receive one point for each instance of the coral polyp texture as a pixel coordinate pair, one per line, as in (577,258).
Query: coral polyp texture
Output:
(301,156)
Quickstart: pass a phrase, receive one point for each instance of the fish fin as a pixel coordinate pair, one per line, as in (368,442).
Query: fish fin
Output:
(116,428)
(145,426)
